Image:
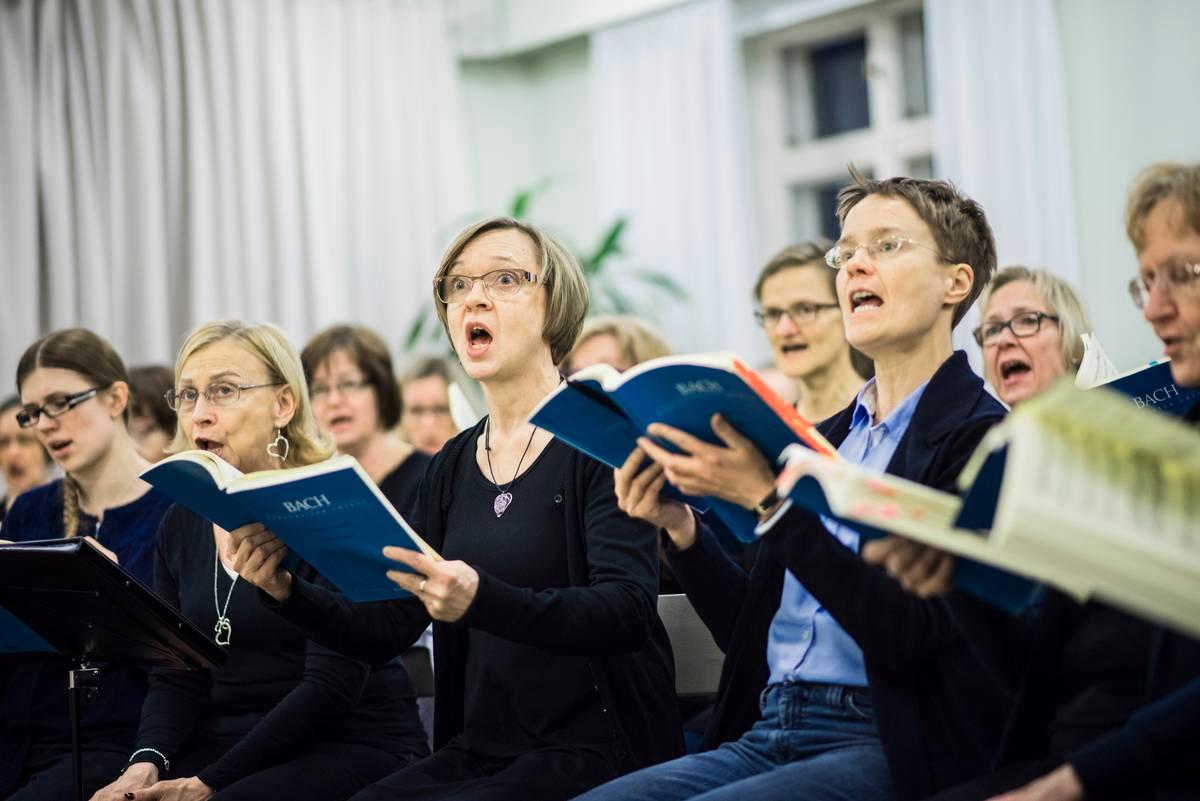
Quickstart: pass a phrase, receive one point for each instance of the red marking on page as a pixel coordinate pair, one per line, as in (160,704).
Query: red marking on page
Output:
(804,429)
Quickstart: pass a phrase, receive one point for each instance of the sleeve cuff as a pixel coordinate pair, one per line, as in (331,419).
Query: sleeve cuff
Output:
(766,525)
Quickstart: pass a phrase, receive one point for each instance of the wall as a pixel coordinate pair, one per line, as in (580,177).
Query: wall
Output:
(1131,71)
(528,123)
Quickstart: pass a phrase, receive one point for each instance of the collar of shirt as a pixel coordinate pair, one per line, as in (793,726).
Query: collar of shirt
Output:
(890,429)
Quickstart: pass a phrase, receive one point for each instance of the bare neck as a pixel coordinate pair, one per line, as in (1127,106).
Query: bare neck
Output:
(900,372)
(510,403)
(380,454)
(112,480)
(825,392)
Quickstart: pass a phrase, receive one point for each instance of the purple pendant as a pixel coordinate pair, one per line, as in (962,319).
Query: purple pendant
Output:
(502,502)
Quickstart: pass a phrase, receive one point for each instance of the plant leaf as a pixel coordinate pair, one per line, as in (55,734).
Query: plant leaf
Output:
(414,331)
(662,281)
(610,245)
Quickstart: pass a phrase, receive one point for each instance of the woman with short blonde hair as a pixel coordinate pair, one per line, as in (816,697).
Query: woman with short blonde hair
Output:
(619,340)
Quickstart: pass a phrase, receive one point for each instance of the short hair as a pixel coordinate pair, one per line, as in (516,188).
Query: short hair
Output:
(268,344)
(558,271)
(1159,182)
(1062,299)
(369,353)
(428,367)
(811,254)
(959,227)
(147,386)
(636,339)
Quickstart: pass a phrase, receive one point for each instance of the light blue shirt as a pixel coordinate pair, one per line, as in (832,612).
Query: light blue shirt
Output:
(805,643)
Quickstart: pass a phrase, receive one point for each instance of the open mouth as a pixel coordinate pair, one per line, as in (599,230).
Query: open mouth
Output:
(863,301)
(794,347)
(210,445)
(341,420)
(479,338)
(59,447)
(1010,368)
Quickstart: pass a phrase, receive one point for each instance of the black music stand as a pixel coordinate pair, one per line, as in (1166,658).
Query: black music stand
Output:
(75,600)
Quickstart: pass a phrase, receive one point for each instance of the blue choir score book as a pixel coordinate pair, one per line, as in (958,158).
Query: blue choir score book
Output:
(330,514)
(603,412)
(1154,387)
(1076,489)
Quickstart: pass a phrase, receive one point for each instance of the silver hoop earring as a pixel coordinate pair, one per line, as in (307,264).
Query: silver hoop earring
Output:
(279,447)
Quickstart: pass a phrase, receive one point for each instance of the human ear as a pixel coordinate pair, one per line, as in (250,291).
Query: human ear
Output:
(118,395)
(284,407)
(958,283)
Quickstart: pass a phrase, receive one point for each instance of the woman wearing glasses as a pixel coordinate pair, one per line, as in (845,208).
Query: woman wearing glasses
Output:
(796,294)
(75,398)
(1032,332)
(282,717)
(553,671)
(356,400)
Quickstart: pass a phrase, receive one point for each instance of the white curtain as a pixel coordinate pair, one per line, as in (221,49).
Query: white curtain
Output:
(671,142)
(1000,125)
(163,163)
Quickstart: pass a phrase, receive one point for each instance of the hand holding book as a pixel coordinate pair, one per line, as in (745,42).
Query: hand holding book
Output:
(639,494)
(258,558)
(446,588)
(736,472)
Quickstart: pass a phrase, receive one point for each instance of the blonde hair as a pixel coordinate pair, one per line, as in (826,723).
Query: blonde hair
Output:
(558,271)
(267,343)
(1156,183)
(1059,296)
(636,340)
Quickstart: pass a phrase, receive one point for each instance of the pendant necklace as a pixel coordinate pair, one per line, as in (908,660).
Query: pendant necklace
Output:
(504,498)
(222,630)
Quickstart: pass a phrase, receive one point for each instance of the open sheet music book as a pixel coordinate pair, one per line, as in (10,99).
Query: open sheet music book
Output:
(1075,489)
(330,514)
(602,412)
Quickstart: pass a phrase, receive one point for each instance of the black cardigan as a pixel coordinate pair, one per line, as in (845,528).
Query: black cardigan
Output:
(609,613)
(938,710)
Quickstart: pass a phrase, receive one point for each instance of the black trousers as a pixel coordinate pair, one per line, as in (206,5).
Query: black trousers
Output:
(49,778)
(453,773)
(327,772)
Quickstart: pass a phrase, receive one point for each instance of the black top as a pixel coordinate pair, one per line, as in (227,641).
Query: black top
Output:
(401,485)
(608,614)
(279,692)
(938,710)
(1117,697)
(33,713)
(520,697)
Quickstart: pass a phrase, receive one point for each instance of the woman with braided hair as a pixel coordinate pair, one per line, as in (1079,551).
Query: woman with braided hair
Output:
(74,392)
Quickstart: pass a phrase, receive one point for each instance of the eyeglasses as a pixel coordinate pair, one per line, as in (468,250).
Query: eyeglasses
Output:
(432,411)
(1172,279)
(218,393)
(345,387)
(798,313)
(882,249)
(496,284)
(1023,325)
(55,406)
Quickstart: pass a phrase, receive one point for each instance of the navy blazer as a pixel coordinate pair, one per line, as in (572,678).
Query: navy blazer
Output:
(939,710)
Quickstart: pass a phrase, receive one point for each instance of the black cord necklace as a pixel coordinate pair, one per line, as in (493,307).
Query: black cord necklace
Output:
(504,498)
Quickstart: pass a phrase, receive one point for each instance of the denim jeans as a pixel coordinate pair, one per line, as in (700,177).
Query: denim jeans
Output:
(813,742)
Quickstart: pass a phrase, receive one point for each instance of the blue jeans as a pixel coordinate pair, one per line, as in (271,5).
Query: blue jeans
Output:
(814,742)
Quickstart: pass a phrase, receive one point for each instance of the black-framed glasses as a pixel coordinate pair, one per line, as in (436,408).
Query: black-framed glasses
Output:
(344,387)
(798,313)
(453,288)
(1172,278)
(882,249)
(218,393)
(55,406)
(1025,324)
